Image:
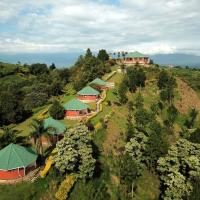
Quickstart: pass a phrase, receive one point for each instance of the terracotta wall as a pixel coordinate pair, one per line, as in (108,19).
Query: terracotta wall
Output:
(88,97)
(71,113)
(135,60)
(12,174)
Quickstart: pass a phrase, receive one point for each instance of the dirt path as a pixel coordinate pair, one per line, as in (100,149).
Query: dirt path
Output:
(188,97)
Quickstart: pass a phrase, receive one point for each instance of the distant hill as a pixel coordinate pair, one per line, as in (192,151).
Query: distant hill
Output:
(177,59)
(67,59)
(59,59)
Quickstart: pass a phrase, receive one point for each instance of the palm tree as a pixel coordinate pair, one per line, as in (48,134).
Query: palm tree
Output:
(37,133)
(9,136)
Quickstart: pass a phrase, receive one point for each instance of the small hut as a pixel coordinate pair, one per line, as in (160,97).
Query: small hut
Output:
(88,94)
(54,128)
(99,84)
(16,161)
(75,108)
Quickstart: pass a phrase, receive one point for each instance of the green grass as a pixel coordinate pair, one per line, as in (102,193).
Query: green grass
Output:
(147,187)
(23,191)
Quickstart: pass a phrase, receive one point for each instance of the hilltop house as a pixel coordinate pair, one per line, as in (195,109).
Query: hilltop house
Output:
(75,108)
(16,161)
(88,94)
(135,57)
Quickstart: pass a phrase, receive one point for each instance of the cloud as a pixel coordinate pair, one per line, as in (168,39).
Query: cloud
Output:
(150,26)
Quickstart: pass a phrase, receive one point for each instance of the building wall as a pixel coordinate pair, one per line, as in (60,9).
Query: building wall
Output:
(87,97)
(136,60)
(12,174)
(74,113)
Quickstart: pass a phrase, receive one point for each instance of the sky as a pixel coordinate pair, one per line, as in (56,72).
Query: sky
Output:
(52,26)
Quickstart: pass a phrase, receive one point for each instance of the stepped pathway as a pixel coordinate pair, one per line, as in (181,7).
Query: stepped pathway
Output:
(188,97)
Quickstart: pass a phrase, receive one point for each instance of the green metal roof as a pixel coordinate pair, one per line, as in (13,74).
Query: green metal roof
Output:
(98,81)
(75,104)
(57,127)
(15,156)
(88,91)
(135,54)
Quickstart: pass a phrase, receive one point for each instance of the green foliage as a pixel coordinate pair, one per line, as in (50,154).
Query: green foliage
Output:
(195,136)
(178,168)
(86,69)
(136,148)
(172,114)
(142,117)
(75,152)
(190,121)
(139,101)
(122,90)
(102,55)
(8,136)
(195,194)
(37,132)
(135,78)
(165,80)
(38,68)
(127,171)
(56,111)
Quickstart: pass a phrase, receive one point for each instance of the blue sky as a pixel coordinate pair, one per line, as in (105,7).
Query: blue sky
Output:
(150,26)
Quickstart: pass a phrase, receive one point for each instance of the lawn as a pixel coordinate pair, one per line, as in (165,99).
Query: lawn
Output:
(23,191)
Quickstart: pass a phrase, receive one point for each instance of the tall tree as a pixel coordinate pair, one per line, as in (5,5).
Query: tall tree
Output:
(178,168)
(56,111)
(75,152)
(36,134)
(103,55)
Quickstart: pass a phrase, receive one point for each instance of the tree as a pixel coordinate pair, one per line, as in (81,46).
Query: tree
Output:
(178,168)
(190,121)
(139,101)
(75,153)
(37,69)
(156,147)
(8,136)
(102,55)
(195,136)
(172,114)
(56,111)
(36,134)
(142,117)
(135,78)
(88,53)
(127,172)
(122,93)
(136,148)
(52,66)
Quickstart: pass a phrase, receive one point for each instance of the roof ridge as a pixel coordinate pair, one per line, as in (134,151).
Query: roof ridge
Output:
(9,154)
(18,155)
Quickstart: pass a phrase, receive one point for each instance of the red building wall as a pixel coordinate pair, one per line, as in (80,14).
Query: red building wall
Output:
(71,113)
(12,174)
(88,97)
(75,113)
(136,60)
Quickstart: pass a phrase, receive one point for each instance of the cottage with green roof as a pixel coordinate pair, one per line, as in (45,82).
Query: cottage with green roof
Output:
(88,94)
(99,84)
(54,127)
(135,57)
(75,108)
(16,161)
